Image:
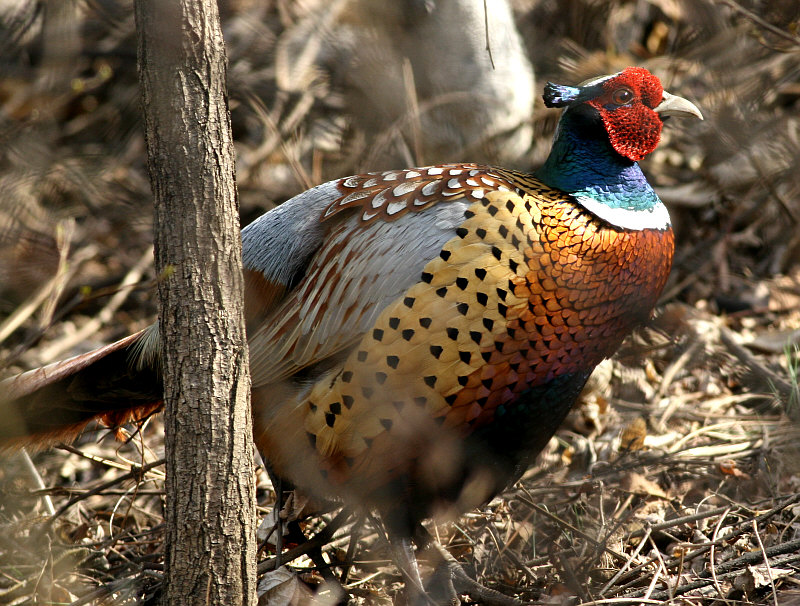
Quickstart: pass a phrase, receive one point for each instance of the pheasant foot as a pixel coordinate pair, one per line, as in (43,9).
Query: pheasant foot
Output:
(449,580)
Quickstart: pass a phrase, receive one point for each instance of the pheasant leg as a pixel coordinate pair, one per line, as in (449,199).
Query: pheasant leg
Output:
(457,582)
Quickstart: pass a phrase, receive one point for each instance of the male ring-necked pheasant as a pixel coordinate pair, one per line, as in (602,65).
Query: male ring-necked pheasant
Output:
(416,336)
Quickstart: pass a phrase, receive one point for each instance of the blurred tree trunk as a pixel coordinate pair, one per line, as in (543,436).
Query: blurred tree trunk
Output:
(210,550)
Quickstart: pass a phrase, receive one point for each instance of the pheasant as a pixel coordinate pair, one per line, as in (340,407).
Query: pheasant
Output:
(417,336)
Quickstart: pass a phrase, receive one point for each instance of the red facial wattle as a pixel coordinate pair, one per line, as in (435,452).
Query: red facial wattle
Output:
(633,129)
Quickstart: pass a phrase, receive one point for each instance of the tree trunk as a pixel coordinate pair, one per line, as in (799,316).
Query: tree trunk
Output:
(210,544)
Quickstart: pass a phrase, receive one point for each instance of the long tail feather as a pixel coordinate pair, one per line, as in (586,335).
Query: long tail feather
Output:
(115,384)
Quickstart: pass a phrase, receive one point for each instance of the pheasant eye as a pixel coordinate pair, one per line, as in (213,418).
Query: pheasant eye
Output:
(621,96)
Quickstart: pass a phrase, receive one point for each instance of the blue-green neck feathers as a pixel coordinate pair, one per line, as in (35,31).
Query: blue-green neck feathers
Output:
(583,163)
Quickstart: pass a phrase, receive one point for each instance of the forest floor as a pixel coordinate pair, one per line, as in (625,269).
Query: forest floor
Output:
(675,480)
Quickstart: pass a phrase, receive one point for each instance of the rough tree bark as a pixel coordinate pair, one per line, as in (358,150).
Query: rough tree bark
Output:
(210,545)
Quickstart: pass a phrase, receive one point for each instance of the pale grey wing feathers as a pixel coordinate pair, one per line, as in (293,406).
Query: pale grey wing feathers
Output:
(351,277)
(280,243)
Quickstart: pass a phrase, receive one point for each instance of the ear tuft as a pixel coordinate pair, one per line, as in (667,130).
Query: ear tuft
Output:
(558,95)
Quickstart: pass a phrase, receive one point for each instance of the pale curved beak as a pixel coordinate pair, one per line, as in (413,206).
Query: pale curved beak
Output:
(673,105)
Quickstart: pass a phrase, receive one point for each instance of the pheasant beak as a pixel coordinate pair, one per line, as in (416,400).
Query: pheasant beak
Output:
(672,105)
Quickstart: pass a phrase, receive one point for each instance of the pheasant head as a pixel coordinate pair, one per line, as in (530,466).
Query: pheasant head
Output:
(609,124)
(630,104)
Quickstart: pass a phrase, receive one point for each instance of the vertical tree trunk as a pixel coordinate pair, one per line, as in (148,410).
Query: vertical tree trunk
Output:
(210,547)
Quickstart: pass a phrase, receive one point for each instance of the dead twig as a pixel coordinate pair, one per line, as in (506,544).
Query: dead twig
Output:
(132,474)
(37,480)
(51,290)
(322,538)
(760,22)
(106,314)
(732,568)
(766,562)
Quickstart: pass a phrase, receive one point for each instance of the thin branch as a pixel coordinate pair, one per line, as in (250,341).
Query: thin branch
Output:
(37,480)
(760,22)
(133,473)
(322,538)
(486,31)
(106,314)
(766,563)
